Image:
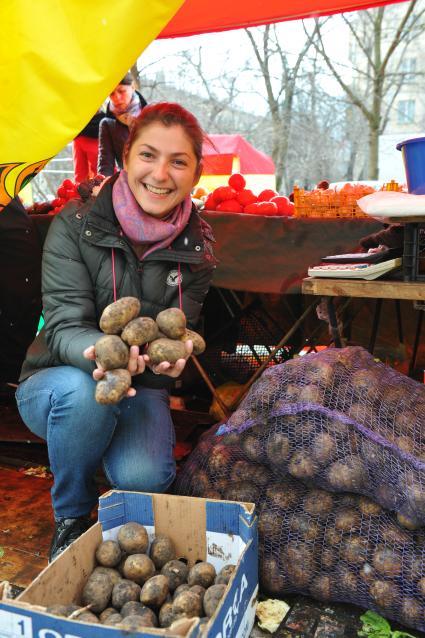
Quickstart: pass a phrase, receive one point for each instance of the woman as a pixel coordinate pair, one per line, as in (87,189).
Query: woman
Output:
(124,106)
(140,237)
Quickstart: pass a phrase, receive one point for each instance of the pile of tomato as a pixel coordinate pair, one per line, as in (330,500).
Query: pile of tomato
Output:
(235,198)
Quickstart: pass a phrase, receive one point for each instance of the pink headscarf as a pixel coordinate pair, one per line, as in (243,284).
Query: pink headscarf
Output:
(141,228)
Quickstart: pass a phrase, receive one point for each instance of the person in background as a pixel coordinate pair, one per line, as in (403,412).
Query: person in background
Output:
(124,105)
(85,149)
(140,237)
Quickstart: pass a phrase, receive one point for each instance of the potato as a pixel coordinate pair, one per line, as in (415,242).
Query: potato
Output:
(199,344)
(166,350)
(322,587)
(166,615)
(387,562)
(113,574)
(124,591)
(113,620)
(202,573)
(271,578)
(111,352)
(176,572)
(113,387)
(161,551)
(385,593)
(346,581)
(106,613)
(219,459)
(117,315)
(132,608)
(200,591)
(140,331)
(138,567)
(302,465)
(212,598)
(224,575)
(354,550)
(285,496)
(97,592)
(269,525)
(411,611)
(302,525)
(181,588)
(87,616)
(323,448)
(187,604)
(172,322)
(138,621)
(252,446)
(155,591)
(347,520)
(368,507)
(242,491)
(318,503)
(348,475)
(327,558)
(108,553)
(133,538)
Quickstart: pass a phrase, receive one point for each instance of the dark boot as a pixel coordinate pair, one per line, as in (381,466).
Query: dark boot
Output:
(67,530)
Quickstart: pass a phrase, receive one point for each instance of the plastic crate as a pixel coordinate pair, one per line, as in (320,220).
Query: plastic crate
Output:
(414,252)
(326,203)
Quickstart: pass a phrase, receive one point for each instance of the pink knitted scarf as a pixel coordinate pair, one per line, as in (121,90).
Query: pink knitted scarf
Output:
(140,227)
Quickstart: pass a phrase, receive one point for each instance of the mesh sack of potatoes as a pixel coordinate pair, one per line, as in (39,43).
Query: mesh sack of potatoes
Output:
(340,420)
(339,547)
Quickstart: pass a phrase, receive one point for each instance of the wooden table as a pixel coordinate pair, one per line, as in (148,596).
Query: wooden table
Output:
(377,289)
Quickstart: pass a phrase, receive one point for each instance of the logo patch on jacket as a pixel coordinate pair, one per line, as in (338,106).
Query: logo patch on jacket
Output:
(174,279)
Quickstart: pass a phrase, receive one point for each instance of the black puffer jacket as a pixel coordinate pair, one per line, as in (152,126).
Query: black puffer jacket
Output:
(77,281)
(113,135)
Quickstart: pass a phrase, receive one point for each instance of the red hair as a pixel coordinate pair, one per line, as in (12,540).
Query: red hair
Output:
(168,114)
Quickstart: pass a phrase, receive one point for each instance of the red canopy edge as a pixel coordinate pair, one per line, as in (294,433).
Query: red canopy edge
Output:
(204,16)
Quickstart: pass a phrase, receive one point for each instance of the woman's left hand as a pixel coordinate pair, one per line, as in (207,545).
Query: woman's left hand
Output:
(172,369)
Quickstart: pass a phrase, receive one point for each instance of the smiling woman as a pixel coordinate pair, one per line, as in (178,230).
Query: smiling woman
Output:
(141,237)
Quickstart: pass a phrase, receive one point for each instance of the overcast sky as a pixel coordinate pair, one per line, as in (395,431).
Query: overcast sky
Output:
(231,49)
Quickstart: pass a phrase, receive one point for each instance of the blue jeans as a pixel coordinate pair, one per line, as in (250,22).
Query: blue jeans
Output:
(134,438)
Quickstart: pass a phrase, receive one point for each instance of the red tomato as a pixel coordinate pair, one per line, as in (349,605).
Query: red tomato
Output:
(267,208)
(251,209)
(229,206)
(222,193)
(210,203)
(282,204)
(246,197)
(61,192)
(266,195)
(68,183)
(237,181)
(56,202)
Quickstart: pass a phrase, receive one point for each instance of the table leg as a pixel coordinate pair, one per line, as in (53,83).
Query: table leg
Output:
(375,324)
(333,322)
(399,323)
(412,364)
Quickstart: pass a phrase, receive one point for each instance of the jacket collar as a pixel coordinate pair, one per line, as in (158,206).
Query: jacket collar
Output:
(101,222)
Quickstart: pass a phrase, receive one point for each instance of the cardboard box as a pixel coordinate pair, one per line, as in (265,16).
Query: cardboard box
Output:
(220,532)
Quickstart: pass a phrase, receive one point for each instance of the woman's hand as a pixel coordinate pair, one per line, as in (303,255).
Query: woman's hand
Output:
(136,364)
(172,369)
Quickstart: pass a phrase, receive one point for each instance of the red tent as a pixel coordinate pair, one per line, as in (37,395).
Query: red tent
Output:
(204,16)
(219,156)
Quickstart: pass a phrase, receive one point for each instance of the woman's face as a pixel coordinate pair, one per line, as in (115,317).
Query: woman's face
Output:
(121,96)
(162,168)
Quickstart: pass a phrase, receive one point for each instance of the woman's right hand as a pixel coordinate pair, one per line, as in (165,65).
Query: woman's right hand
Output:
(136,364)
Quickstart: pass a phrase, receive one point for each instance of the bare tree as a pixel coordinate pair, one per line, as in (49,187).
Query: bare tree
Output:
(380,37)
(280,78)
